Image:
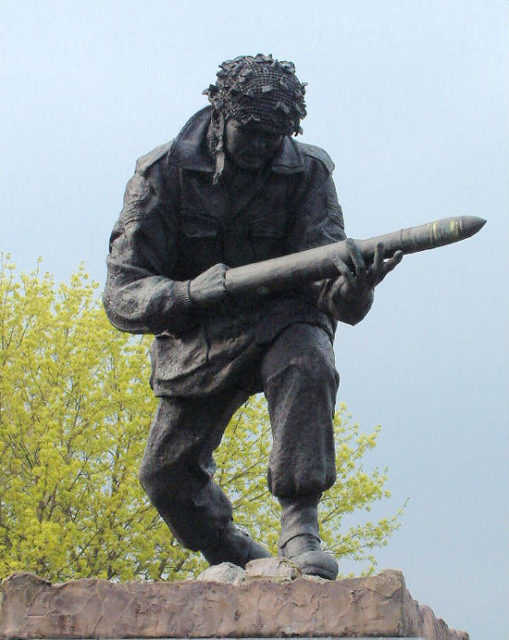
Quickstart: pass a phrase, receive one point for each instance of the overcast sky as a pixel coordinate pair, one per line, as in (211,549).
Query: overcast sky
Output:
(411,100)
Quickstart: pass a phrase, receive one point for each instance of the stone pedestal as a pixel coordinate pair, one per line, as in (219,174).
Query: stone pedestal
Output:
(270,600)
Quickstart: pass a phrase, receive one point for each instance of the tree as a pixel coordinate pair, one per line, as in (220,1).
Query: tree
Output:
(75,408)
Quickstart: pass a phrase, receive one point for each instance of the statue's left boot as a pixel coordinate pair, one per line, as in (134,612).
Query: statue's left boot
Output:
(299,540)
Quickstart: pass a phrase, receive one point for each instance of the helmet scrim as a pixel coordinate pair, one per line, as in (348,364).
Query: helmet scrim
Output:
(259,89)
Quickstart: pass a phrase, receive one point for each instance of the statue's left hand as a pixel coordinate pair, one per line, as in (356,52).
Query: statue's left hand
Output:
(356,284)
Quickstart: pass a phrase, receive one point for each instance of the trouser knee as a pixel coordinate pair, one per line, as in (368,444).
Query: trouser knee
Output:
(151,481)
(302,358)
(160,486)
(314,374)
(300,382)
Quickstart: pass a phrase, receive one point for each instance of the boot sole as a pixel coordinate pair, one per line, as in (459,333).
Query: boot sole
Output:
(317,563)
(313,570)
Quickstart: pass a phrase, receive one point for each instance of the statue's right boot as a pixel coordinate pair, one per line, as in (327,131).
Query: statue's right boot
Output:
(299,540)
(235,546)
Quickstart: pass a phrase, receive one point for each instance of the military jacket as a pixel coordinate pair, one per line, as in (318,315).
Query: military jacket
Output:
(175,223)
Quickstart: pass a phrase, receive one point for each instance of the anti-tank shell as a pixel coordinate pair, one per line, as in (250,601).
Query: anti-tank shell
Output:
(289,271)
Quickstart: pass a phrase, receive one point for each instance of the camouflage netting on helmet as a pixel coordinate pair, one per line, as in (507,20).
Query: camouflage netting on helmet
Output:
(259,89)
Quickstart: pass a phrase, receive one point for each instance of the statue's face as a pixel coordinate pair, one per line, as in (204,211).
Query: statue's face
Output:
(252,145)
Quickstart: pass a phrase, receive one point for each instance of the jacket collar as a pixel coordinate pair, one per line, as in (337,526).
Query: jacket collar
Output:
(190,149)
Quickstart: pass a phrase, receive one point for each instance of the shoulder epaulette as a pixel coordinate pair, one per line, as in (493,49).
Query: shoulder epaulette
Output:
(318,153)
(144,163)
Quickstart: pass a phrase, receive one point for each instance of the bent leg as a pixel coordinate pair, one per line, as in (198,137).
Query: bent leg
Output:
(300,383)
(177,467)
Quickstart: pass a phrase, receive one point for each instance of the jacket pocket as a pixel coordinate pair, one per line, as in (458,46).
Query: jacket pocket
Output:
(201,242)
(174,357)
(267,237)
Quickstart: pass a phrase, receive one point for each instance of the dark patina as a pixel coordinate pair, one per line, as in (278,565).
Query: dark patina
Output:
(234,188)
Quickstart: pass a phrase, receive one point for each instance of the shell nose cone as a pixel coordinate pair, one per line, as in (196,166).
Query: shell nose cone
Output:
(471,225)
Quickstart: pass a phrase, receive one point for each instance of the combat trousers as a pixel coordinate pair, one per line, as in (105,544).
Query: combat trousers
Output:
(299,380)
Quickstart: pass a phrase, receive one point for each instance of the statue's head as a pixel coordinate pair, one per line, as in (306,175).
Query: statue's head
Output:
(254,97)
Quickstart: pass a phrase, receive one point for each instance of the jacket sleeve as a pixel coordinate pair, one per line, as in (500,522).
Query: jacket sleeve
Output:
(139,296)
(319,221)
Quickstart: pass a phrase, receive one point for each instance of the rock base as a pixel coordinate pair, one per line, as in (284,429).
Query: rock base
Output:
(269,600)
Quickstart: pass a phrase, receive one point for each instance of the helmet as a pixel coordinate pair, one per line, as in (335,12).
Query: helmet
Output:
(261,89)
(254,89)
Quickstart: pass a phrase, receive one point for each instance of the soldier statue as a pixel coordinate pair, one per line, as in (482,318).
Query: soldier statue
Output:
(235,187)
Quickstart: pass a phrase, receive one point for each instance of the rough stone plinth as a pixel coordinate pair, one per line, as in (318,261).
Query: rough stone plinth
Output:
(275,569)
(377,606)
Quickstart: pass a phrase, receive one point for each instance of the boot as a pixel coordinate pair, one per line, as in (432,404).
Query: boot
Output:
(236,546)
(305,551)
(300,541)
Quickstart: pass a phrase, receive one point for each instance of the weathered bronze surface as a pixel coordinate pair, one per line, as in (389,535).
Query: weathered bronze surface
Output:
(235,205)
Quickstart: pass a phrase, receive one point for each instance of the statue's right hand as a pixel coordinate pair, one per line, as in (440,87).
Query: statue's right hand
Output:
(209,287)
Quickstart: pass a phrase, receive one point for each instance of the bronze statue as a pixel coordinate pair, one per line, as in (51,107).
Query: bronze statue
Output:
(235,188)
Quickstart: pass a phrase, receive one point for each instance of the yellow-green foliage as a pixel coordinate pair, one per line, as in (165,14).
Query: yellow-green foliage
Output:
(75,408)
